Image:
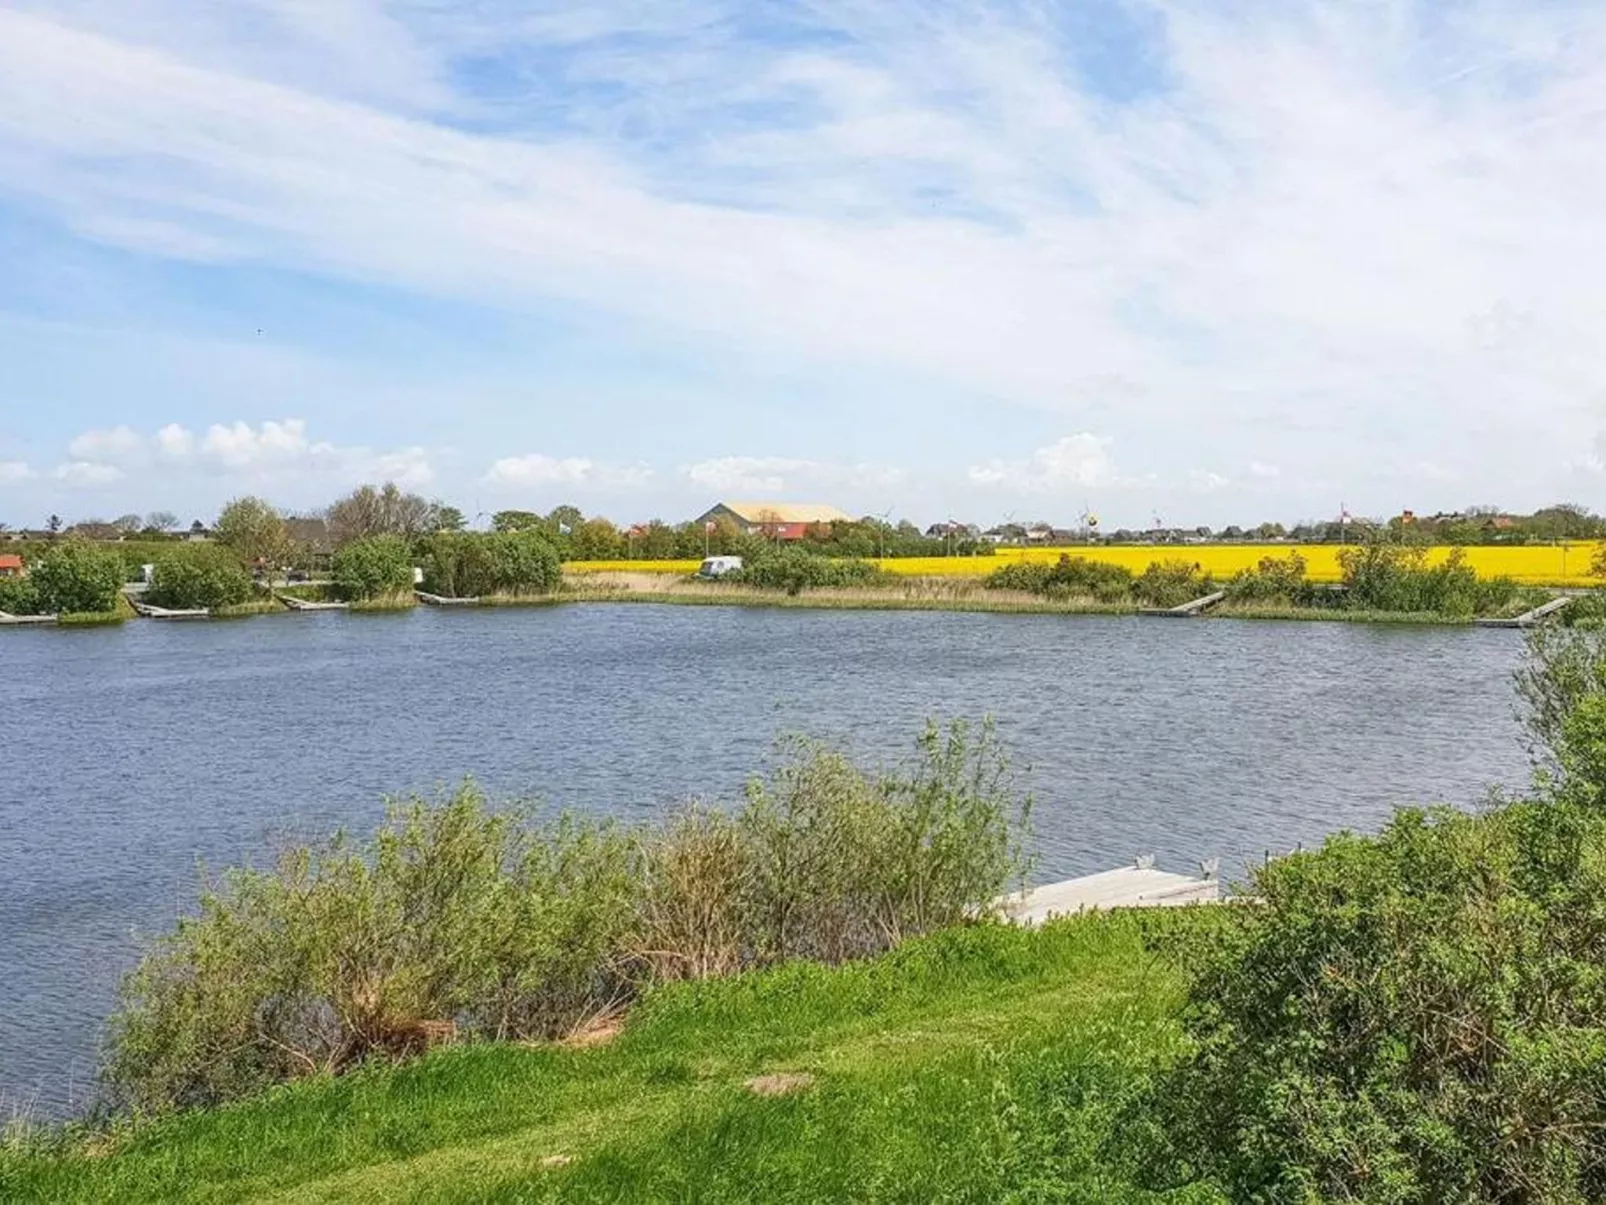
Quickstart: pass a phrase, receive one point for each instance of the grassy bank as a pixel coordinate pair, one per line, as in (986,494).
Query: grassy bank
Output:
(978,1064)
(400,601)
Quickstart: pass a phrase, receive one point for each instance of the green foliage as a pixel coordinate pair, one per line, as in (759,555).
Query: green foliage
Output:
(19,596)
(374,567)
(796,569)
(75,576)
(1382,576)
(199,576)
(1069,577)
(1273,580)
(458,922)
(1171,583)
(1411,1017)
(475,564)
(254,531)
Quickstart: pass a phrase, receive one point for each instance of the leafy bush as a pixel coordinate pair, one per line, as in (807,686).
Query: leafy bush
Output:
(199,576)
(1069,577)
(77,577)
(795,570)
(374,567)
(1273,580)
(471,564)
(1171,583)
(1380,576)
(459,922)
(1412,1017)
(19,596)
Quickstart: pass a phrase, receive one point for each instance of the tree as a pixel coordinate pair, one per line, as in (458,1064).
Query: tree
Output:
(368,512)
(515,520)
(128,524)
(53,526)
(449,518)
(255,532)
(200,576)
(76,577)
(595,540)
(161,520)
(373,567)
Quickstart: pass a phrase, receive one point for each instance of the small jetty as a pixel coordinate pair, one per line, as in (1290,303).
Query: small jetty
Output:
(440,600)
(1195,607)
(1528,620)
(302,604)
(1140,885)
(7,619)
(146,611)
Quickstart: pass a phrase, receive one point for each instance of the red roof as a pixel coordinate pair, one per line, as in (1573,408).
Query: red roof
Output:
(10,562)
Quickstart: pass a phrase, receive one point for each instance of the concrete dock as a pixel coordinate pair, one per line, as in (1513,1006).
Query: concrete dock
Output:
(1528,620)
(1196,607)
(1137,886)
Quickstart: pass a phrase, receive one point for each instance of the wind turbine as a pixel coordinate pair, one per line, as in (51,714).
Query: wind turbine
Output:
(881,532)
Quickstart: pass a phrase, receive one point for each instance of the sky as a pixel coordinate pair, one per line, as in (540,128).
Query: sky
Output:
(1201,262)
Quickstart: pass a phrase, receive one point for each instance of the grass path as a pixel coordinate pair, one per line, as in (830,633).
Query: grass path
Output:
(979,1065)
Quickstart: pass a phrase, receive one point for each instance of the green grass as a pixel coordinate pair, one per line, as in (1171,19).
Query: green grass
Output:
(255,606)
(90,619)
(402,601)
(983,1064)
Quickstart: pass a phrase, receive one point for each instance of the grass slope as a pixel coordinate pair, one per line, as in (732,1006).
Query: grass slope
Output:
(984,1064)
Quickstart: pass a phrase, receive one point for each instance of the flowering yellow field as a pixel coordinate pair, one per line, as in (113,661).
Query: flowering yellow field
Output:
(1533,565)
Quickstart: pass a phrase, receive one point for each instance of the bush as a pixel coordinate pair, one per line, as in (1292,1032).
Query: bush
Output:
(1273,580)
(1069,577)
(374,567)
(1412,1017)
(1171,583)
(471,565)
(19,596)
(459,922)
(1392,577)
(795,570)
(76,577)
(199,576)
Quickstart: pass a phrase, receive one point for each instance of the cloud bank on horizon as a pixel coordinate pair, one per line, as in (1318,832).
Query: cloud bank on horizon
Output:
(1224,260)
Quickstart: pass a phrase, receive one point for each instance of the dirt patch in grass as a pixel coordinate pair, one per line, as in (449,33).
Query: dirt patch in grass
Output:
(780,1083)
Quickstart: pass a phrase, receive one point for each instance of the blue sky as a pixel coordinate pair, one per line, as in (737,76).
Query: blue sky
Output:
(1214,262)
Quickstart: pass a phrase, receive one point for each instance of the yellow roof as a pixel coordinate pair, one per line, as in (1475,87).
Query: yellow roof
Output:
(786,512)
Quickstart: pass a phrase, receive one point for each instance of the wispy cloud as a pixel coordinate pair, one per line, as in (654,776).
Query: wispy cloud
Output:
(1310,221)
(537,469)
(769,476)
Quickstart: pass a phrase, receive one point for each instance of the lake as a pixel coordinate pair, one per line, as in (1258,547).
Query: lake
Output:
(133,754)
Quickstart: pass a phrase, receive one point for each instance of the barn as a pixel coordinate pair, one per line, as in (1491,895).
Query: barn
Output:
(12,566)
(775,520)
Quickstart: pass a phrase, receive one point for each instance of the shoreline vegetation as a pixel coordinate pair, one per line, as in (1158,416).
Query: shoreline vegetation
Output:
(804,997)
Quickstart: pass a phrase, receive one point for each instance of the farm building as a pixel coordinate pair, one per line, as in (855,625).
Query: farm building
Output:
(776,520)
(12,566)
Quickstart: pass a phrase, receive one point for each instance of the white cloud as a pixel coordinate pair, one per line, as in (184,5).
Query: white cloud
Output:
(1203,479)
(1326,221)
(113,445)
(1082,461)
(87,474)
(536,469)
(1264,471)
(15,470)
(272,450)
(742,477)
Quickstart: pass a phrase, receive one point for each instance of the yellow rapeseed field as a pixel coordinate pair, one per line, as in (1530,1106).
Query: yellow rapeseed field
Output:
(1532,565)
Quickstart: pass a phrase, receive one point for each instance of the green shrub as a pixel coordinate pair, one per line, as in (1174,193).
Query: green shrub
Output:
(1273,580)
(1419,1016)
(459,922)
(198,576)
(1171,583)
(795,570)
(19,596)
(373,567)
(77,577)
(1069,577)
(475,564)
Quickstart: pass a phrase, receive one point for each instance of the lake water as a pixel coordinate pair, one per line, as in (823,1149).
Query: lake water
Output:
(131,754)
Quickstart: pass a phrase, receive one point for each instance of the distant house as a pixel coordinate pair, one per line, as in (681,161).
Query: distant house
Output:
(775,520)
(197,532)
(12,566)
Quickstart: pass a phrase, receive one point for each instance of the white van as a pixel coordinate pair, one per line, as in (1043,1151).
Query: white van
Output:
(719,566)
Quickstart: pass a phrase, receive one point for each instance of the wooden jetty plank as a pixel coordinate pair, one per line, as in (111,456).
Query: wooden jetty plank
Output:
(302,604)
(1138,886)
(1194,607)
(438,600)
(1530,618)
